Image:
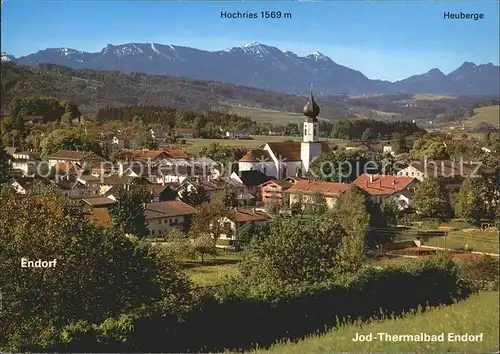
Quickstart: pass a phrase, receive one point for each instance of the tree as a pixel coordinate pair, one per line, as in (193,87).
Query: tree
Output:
(92,262)
(69,139)
(273,208)
(430,148)
(471,201)
(228,197)
(398,143)
(168,194)
(128,212)
(4,164)
(194,195)
(340,166)
(319,205)
(211,218)
(293,251)
(144,140)
(352,215)
(367,135)
(430,200)
(204,245)
(218,153)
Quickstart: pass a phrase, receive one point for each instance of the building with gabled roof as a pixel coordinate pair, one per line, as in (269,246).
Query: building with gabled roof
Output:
(79,158)
(305,192)
(162,217)
(380,187)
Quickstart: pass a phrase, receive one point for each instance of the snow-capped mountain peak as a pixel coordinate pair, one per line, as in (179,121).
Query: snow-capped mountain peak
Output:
(317,56)
(7,57)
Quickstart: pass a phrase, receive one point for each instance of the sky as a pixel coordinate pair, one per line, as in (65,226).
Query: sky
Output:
(387,40)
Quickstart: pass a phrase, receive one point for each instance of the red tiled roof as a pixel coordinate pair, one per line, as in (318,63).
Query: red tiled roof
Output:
(325,188)
(256,155)
(280,182)
(71,155)
(290,150)
(167,209)
(139,155)
(100,216)
(247,214)
(383,184)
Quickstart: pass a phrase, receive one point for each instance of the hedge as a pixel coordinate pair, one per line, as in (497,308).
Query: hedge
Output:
(241,323)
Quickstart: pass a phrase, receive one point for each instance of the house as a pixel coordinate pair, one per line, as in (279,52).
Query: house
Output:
(289,158)
(237,135)
(111,181)
(236,219)
(380,187)
(124,142)
(276,132)
(24,185)
(252,179)
(403,199)
(92,183)
(127,157)
(71,187)
(305,192)
(186,133)
(452,170)
(162,217)
(27,162)
(272,191)
(82,159)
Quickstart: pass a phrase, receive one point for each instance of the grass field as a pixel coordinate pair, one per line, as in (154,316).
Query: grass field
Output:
(488,115)
(214,270)
(267,115)
(431,97)
(480,241)
(476,315)
(193,146)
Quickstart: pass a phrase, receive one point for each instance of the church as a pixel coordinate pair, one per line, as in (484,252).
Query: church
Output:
(289,159)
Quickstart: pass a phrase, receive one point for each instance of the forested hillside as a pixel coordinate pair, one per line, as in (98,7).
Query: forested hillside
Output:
(94,89)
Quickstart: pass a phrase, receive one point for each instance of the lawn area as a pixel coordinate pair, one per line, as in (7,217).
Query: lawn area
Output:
(194,146)
(480,241)
(214,270)
(488,114)
(476,315)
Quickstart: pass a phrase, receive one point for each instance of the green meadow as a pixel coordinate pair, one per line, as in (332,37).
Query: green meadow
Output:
(478,314)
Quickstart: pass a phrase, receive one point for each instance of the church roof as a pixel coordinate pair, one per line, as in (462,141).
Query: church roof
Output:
(290,151)
(256,155)
(286,150)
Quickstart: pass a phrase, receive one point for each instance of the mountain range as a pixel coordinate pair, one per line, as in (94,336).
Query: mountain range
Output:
(265,67)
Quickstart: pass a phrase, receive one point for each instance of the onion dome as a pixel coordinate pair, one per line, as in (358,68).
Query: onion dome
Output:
(311,109)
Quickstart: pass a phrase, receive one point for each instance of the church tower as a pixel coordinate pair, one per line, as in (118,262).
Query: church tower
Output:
(310,146)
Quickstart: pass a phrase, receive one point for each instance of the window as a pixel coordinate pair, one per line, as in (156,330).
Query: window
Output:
(305,131)
(165,221)
(152,232)
(159,222)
